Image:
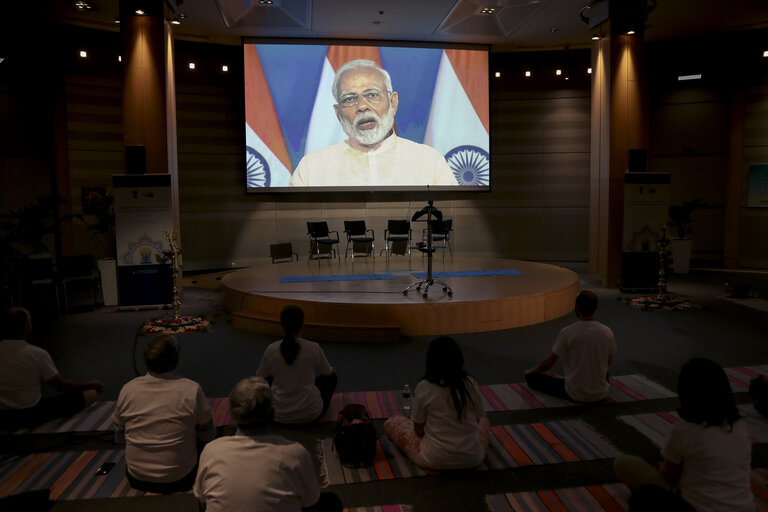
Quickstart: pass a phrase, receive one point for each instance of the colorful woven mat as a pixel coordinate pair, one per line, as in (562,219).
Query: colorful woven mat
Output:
(68,475)
(740,376)
(510,446)
(657,426)
(382,508)
(595,498)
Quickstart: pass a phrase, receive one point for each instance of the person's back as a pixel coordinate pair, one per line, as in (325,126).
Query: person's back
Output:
(586,348)
(162,416)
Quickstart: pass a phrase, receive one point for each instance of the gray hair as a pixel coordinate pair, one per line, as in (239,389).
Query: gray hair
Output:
(161,354)
(250,402)
(359,64)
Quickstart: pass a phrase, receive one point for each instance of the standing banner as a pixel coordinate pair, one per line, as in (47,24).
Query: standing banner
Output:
(143,214)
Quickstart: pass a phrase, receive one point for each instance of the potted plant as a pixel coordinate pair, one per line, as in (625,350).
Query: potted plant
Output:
(681,218)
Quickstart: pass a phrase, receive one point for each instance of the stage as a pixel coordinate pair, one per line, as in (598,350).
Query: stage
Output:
(363,300)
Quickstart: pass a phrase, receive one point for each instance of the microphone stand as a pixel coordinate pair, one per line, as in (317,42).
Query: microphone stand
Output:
(422,247)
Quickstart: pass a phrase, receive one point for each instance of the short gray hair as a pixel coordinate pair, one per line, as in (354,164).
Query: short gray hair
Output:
(250,402)
(359,64)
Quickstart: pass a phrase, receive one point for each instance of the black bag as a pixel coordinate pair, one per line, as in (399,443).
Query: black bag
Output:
(354,437)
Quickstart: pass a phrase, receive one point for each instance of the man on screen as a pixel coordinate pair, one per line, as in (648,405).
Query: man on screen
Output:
(373,154)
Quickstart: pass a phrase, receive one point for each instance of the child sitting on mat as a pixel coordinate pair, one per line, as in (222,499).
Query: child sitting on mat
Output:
(449,429)
(707,456)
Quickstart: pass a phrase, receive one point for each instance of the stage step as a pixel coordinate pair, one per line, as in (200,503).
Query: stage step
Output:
(347,333)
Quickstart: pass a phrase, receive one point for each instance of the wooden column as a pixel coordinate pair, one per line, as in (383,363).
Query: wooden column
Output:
(619,123)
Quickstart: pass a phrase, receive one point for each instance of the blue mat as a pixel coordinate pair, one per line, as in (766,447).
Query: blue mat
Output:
(469,273)
(352,277)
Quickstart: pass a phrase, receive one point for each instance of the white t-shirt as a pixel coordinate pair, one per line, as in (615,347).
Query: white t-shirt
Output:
(294,395)
(23,370)
(448,443)
(716,466)
(586,348)
(160,413)
(397,161)
(263,472)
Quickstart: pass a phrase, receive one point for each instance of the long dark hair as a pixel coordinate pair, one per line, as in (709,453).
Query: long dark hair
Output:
(445,368)
(705,394)
(291,318)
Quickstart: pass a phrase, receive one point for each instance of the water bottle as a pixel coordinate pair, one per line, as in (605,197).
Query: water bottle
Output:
(406,402)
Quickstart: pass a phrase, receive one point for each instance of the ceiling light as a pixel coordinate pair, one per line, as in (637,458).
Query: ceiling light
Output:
(498,74)
(689,77)
(225,68)
(265,2)
(119,58)
(82,5)
(2,59)
(487,10)
(589,71)
(558,72)
(140,12)
(595,37)
(117,20)
(527,74)
(765,53)
(192,65)
(176,21)
(83,54)
(630,32)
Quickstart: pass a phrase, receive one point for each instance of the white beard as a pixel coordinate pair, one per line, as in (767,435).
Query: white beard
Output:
(371,137)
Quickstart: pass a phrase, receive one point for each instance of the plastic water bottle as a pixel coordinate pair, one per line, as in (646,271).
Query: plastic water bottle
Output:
(406,402)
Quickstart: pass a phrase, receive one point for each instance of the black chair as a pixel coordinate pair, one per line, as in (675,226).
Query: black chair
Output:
(39,287)
(282,253)
(441,235)
(79,273)
(397,238)
(359,239)
(321,244)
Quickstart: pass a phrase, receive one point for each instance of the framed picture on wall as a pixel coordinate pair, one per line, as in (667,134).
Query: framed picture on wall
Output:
(757,194)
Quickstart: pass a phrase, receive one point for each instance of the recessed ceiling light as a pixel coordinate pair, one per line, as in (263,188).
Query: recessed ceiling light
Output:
(82,5)
(83,54)
(119,58)
(558,72)
(225,68)
(527,74)
(2,59)
(140,12)
(765,53)
(630,32)
(175,21)
(117,20)
(689,77)
(487,10)
(192,65)
(595,37)
(497,74)
(589,71)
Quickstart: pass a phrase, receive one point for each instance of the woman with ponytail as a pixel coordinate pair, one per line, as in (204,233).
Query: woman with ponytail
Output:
(302,380)
(449,429)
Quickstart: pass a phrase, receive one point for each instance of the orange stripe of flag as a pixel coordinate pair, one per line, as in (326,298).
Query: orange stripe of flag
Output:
(69,475)
(471,68)
(381,464)
(340,55)
(606,500)
(260,113)
(553,440)
(552,501)
(23,473)
(511,446)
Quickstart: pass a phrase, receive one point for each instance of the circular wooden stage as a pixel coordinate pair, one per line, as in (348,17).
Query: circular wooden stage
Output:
(363,300)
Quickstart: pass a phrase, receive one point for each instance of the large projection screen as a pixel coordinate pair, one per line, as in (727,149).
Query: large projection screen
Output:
(439,98)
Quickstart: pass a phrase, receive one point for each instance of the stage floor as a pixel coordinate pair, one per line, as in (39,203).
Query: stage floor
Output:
(479,303)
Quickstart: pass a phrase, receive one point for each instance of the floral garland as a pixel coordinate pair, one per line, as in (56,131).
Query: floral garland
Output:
(174,326)
(661,302)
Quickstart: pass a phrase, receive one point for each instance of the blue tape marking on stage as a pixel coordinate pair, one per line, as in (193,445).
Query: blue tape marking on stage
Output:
(469,273)
(351,277)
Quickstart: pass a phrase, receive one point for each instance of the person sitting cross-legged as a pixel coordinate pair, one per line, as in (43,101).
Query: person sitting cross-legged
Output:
(24,369)
(586,347)
(162,417)
(256,469)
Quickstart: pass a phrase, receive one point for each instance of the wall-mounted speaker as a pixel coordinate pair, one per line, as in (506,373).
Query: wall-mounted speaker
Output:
(638,160)
(135,160)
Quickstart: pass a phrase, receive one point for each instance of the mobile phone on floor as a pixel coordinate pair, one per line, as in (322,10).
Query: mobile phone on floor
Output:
(105,468)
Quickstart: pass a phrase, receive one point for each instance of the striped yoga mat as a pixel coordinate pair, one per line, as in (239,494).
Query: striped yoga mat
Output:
(595,498)
(510,446)
(381,508)
(656,426)
(99,417)
(740,376)
(68,475)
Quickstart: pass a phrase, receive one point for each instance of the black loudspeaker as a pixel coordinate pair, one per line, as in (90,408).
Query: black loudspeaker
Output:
(637,160)
(135,160)
(639,271)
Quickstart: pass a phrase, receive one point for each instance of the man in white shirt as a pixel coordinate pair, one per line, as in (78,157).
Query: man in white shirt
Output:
(162,417)
(587,347)
(24,368)
(255,469)
(373,154)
